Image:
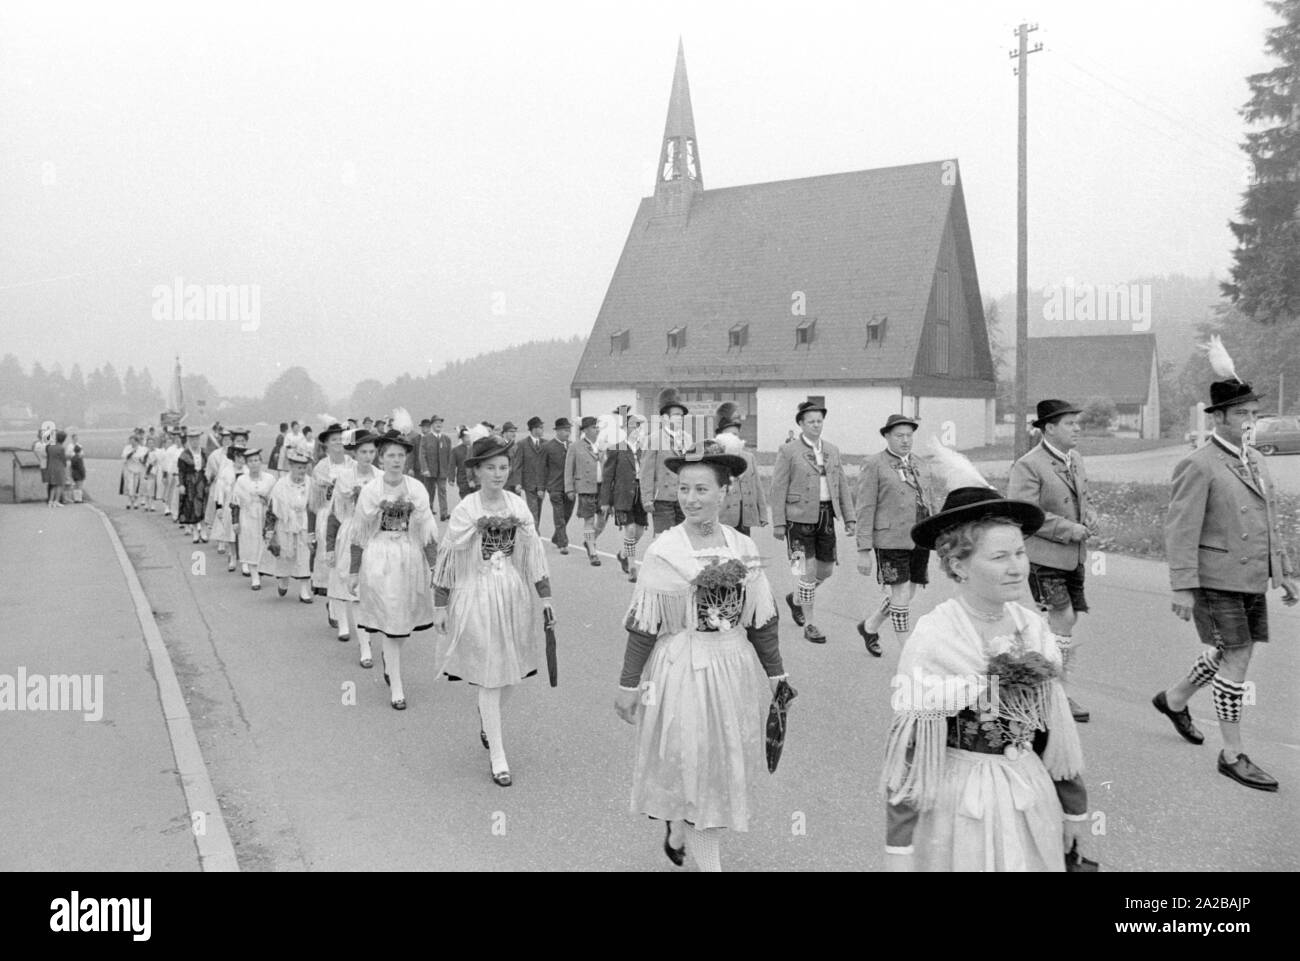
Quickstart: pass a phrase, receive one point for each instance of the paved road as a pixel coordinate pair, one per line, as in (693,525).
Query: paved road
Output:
(309,781)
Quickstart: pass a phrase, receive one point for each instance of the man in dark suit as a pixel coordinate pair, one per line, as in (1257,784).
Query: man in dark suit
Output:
(582,483)
(555,453)
(464,477)
(514,482)
(620,490)
(532,469)
(1224,546)
(435,465)
(1051,475)
(278,446)
(895,492)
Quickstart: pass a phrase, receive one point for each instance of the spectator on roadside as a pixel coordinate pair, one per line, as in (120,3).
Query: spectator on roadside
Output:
(56,469)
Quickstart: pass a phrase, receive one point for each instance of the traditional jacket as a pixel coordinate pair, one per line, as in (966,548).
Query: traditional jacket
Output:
(746,502)
(555,454)
(1222,529)
(891,500)
(1042,478)
(796,488)
(582,468)
(532,463)
(622,482)
(658,483)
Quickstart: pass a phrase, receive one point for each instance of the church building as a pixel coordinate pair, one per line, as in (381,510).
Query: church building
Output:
(857,289)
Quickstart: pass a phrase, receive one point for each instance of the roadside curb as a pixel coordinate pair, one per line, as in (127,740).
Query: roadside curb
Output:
(216,852)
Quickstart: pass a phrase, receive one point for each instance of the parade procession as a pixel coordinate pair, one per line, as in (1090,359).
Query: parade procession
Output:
(797,550)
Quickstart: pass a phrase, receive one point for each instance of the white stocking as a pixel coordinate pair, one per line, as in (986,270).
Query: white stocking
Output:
(489,709)
(703,847)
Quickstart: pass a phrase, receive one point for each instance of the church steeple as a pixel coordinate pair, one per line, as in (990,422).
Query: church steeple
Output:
(679,176)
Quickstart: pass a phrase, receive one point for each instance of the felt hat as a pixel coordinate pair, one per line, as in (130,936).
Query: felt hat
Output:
(535,422)
(562,423)
(390,437)
(896,419)
(360,436)
(586,422)
(967,504)
(1229,393)
(728,415)
(807,407)
(668,399)
(708,452)
(297,456)
(330,431)
(1049,409)
(507,427)
(485,448)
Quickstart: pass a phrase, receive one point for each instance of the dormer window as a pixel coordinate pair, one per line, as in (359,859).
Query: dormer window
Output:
(619,341)
(738,336)
(803,333)
(876,329)
(677,338)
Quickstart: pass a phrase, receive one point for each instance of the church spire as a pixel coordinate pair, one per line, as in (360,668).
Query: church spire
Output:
(679,175)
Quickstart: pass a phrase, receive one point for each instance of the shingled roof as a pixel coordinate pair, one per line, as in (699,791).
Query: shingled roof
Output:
(856,244)
(1117,366)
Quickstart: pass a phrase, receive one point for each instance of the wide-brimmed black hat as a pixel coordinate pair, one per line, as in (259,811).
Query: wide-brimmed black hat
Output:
(1048,409)
(361,436)
(586,422)
(708,452)
(330,431)
(806,407)
(392,436)
(668,399)
(297,456)
(967,504)
(236,451)
(1228,393)
(252,452)
(896,419)
(485,448)
(728,415)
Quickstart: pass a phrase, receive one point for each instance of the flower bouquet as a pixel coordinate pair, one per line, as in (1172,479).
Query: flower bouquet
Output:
(1017,696)
(720,594)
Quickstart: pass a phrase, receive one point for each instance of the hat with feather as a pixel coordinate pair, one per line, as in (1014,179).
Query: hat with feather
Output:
(970,498)
(728,415)
(1227,392)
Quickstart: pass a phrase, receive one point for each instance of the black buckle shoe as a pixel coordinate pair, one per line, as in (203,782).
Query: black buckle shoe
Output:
(1244,771)
(676,855)
(872,639)
(795,610)
(623,562)
(1182,720)
(1080,715)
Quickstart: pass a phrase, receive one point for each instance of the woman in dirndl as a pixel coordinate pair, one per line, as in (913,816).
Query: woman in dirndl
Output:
(290,531)
(134,455)
(323,475)
(338,537)
(490,561)
(983,766)
(252,499)
(392,554)
(223,493)
(701,664)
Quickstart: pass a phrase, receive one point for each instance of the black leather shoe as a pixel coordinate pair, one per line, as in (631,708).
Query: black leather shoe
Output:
(622,560)
(795,610)
(1244,771)
(399,704)
(811,633)
(1080,715)
(872,639)
(282,590)
(502,779)
(676,855)
(367,663)
(1182,720)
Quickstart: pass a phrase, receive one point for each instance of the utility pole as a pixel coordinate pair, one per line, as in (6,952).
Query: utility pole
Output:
(1021,70)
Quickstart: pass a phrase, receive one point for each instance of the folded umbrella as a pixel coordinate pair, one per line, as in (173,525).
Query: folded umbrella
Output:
(776,723)
(552,667)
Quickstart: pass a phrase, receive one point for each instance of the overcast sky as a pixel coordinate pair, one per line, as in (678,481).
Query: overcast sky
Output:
(405,185)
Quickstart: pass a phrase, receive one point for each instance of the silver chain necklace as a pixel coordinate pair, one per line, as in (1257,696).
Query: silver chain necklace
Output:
(980,615)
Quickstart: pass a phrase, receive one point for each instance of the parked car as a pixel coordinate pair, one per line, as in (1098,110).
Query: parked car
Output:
(1278,435)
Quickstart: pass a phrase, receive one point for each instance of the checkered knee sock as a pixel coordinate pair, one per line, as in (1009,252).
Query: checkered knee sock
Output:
(898,617)
(1228,696)
(1206,665)
(629,546)
(807,591)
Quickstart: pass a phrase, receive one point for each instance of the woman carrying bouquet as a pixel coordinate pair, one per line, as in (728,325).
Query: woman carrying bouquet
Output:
(983,767)
(252,497)
(391,554)
(338,537)
(490,558)
(701,663)
(289,529)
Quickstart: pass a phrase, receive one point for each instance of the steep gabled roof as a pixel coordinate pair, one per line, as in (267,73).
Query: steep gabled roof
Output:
(853,244)
(1117,366)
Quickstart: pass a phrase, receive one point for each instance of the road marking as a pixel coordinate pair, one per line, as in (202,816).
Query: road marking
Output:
(216,852)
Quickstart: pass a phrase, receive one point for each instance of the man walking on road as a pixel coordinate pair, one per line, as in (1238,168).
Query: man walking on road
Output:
(809,490)
(658,483)
(582,479)
(1051,475)
(532,469)
(895,492)
(555,453)
(435,465)
(1223,546)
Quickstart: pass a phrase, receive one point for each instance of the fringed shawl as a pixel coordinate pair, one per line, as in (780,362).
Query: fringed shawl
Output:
(344,502)
(460,555)
(322,475)
(366,519)
(945,658)
(289,504)
(663,601)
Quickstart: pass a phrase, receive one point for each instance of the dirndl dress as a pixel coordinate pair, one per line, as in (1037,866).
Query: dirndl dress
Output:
(343,506)
(391,527)
(494,630)
(323,476)
(289,504)
(223,493)
(701,731)
(253,496)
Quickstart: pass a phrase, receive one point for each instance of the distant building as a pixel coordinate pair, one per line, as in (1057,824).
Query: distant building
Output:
(17,416)
(858,289)
(1123,367)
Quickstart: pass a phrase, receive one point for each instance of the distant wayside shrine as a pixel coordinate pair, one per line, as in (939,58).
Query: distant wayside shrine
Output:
(857,289)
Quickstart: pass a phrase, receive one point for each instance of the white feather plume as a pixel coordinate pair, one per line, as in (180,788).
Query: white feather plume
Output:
(730,443)
(401,420)
(475,433)
(954,469)
(610,433)
(1220,359)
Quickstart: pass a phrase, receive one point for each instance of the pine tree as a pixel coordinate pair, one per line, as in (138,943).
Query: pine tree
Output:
(1266,273)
